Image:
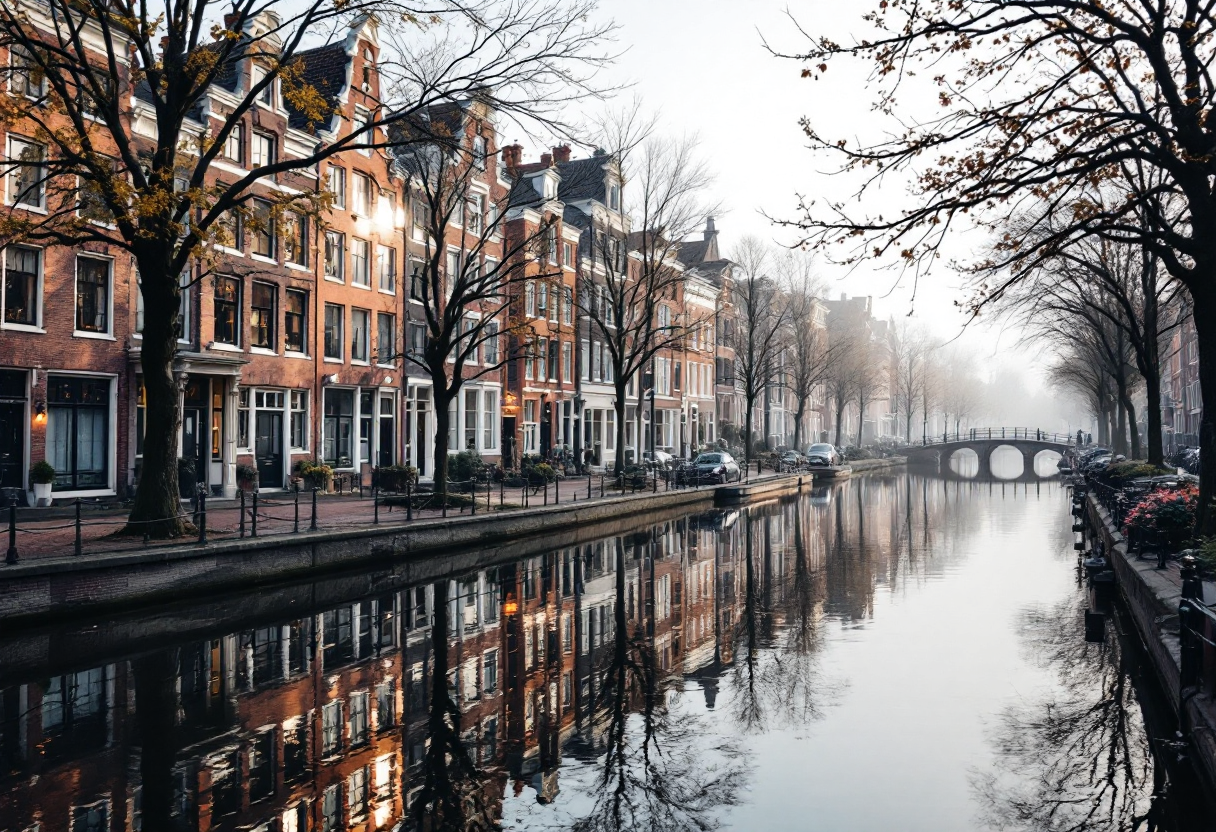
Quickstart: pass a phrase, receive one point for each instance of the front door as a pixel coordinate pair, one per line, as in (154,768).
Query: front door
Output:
(386,443)
(12,444)
(194,443)
(268,448)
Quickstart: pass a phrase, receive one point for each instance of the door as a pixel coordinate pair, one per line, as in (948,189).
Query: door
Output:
(422,431)
(194,444)
(12,444)
(386,437)
(268,448)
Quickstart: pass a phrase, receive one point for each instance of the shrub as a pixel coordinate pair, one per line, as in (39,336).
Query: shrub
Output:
(464,465)
(42,473)
(542,471)
(395,477)
(1165,510)
(1205,555)
(246,473)
(315,474)
(851,454)
(1122,473)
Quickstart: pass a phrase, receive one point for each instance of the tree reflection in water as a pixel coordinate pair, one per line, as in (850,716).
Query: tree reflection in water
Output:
(1079,759)
(660,770)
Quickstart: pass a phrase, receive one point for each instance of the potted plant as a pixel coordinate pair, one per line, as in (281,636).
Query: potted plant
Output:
(42,477)
(246,477)
(315,474)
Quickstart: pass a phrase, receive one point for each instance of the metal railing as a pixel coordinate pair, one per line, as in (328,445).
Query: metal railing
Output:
(986,434)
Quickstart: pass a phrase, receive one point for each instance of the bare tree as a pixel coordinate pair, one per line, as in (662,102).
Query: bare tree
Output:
(1041,99)
(87,61)
(806,342)
(910,353)
(760,313)
(630,294)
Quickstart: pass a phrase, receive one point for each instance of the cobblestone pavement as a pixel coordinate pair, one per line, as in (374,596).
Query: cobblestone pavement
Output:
(278,514)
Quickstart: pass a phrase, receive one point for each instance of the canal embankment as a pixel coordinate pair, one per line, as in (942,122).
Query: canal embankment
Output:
(1152,596)
(51,588)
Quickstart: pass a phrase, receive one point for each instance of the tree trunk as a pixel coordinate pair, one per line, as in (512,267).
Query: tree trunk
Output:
(1120,427)
(1133,429)
(798,423)
(443,423)
(1151,371)
(747,430)
(839,421)
(1205,337)
(155,715)
(157,510)
(618,466)
(861,420)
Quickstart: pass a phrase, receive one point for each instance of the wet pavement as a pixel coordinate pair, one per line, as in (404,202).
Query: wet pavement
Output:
(890,652)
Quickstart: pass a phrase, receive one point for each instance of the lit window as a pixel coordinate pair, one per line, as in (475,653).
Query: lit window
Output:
(92,295)
(27,177)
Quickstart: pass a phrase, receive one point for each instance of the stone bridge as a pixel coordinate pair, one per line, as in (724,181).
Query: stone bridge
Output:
(1030,442)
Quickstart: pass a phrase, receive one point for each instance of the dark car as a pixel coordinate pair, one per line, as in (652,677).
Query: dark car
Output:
(716,466)
(792,460)
(822,453)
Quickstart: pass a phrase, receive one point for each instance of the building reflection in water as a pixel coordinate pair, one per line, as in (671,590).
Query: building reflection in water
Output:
(426,706)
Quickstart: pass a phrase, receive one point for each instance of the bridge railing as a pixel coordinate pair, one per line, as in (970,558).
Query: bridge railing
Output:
(1009,433)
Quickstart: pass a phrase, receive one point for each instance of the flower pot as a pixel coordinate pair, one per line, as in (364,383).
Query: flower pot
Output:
(42,494)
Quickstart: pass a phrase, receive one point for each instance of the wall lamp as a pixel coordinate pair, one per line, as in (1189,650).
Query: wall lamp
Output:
(40,413)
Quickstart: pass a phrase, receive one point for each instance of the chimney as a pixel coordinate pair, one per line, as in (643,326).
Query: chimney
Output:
(512,156)
(843,296)
(710,231)
(546,160)
(561,154)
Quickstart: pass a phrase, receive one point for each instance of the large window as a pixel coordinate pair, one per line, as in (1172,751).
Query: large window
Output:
(386,268)
(567,360)
(25,76)
(335,254)
(77,432)
(333,330)
(356,794)
(331,809)
(360,265)
(360,337)
(331,727)
(228,310)
(263,315)
(27,176)
(299,419)
(338,427)
(295,321)
(263,150)
(92,295)
(359,718)
(361,195)
(489,420)
(22,285)
(264,230)
(337,186)
(490,345)
(386,340)
(234,146)
(531,428)
(295,239)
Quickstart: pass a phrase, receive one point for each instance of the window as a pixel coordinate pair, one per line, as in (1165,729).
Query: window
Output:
(490,344)
(91,202)
(542,300)
(77,433)
(356,794)
(417,344)
(234,145)
(567,360)
(471,398)
(585,351)
(331,727)
(262,150)
(295,239)
(90,105)
(22,285)
(614,197)
(333,330)
(261,766)
(530,299)
(551,244)
(296,320)
(231,228)
(386,268)
(417,279)
(386,339)
(359,129)
(360,337)
(337,186)
(266,94)
(542,356)
(489,671)
(361,195)
(553,345)
(228,310)
(360,265)
(479,152)
(27,177)
(489,420)
(386,704)
(263,315)
(335,255)
(358,718)
(664,316)
(299,419)
(263,229)
(474,214)
(453,268)
(568,255)
(567,305)
(468,342)
(337,427)
(25,76)
(92,295)
(331,817)
(242,418)
(531,429)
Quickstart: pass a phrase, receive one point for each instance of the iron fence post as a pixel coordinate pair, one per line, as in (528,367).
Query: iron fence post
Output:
(589,486)
(242,493)
(375,505)
(546,497)
(254,516)
(1190,619)
(409,498)
(202,516)
(473,493)
(11,557)
(312,524)
(77,547)
(295,528)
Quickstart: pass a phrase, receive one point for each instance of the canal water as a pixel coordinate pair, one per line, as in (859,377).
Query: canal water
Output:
(891,652)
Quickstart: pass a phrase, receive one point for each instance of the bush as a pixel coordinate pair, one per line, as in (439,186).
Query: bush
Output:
(1122,473)
(395,477)
(1165,510)
(42,473)
(246,474)
(463,466)
(315,474)
(852,454)
(1205,556)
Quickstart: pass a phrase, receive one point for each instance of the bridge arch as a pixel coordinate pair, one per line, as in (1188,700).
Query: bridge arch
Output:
(1045,462)
(965,462)
(1007,462)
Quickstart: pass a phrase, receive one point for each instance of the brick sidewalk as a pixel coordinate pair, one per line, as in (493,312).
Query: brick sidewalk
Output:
(276,516)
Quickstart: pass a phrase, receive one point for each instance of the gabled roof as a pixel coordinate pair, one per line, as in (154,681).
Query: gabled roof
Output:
(583,179)
(325,70)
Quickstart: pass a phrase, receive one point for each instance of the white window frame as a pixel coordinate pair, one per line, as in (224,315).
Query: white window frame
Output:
(38,289)
(108,335)
(9,188)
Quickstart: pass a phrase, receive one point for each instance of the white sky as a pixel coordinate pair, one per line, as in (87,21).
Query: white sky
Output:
(701,64)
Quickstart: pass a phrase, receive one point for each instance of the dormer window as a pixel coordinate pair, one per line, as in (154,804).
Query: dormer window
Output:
(368,63)
(362,134)
(614,197)
(479,152)
(550,187)
(266,95)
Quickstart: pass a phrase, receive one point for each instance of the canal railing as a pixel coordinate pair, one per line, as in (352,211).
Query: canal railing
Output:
(1196,634)
(994,434)
(82,526)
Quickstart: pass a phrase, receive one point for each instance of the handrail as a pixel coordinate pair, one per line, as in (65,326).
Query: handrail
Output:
(999,433)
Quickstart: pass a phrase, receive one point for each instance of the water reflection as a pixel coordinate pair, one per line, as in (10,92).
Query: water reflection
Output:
(621,684)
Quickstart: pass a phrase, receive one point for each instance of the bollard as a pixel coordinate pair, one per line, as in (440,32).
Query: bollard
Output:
(312,525)
(242,493)
(409,498)
(11,557)
(546,497)
(601,485)
(489,491)
(202,516)
(375,506)
(501,496)
(589,487)
(78,547)
(473,507)
(295,528)
(254,516)
(557,496)
(526,493)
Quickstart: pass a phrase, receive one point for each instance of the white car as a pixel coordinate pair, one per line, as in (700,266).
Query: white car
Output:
(821,453)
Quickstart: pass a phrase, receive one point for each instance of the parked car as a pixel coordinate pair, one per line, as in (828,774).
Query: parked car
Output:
(822,453)
(792,460)
(714,466)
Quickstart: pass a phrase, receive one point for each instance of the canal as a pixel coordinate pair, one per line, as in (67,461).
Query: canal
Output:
(897,651)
